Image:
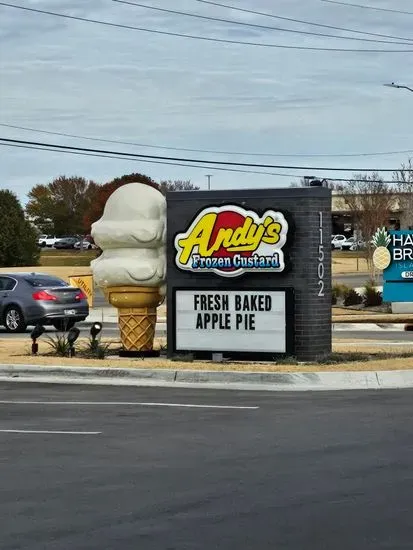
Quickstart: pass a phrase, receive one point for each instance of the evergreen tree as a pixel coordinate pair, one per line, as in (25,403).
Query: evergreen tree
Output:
(18,239)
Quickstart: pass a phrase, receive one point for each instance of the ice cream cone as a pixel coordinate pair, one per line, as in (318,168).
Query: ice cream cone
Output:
(137,315)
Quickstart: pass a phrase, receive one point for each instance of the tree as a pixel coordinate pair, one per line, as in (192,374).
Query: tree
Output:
(177,185)
(371,202)
(104,192)
(60,206)
(405,192)
(95,210)
(18,239)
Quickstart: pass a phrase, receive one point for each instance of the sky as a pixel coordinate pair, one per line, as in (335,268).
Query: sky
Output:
(80,78)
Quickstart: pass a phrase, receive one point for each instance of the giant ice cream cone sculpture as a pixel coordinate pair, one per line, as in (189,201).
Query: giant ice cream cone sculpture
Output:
(132,268)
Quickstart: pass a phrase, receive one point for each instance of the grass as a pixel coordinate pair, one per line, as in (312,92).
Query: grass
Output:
(66,258)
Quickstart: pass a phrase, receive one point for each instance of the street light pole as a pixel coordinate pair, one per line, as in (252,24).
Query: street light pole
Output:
(398,86)
(209,176)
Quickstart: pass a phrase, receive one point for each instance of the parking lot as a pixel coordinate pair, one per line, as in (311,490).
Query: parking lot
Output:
(154,468)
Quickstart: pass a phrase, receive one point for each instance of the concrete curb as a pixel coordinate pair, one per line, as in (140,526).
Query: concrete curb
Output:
(277,381)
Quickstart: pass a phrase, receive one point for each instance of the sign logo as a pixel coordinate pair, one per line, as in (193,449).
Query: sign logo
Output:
(229,241)
(381,255)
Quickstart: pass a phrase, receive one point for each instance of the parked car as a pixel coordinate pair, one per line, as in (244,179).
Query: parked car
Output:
(66,243)
(337,240)
(32,298)
(87,245)
(47,240)
(352,244)
(348,244)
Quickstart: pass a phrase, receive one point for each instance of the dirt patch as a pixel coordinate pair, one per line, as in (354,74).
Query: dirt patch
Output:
(17,352)
(349,265)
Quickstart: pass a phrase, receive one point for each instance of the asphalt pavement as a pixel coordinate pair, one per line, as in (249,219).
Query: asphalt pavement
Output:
(355,280)
(110,330)
(381,336)
(91,468)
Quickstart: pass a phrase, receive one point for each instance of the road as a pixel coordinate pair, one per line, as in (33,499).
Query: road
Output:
(355,280)
(382,336)
(110,330)
(98,469)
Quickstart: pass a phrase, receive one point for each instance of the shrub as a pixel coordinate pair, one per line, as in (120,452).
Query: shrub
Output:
(334,297)
(352,298)
(340,289)
(372,297)
(18,240)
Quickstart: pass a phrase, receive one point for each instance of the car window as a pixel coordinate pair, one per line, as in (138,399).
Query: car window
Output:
(6,283)
(39,281)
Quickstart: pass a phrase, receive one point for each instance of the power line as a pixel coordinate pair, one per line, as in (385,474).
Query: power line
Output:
(151,161)
(212,151)
(47,149)
(304,22)
(389,10)
(253,25)
(198,161)
(204,38)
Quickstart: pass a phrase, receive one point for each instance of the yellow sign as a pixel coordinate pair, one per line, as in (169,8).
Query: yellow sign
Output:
(85,283)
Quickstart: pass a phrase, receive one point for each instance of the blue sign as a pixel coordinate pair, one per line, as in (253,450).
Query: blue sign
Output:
(398,276)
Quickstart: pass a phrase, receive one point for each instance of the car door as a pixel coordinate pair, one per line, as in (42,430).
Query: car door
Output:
(7,284)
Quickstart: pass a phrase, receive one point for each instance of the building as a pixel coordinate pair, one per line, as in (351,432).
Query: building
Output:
(343,221)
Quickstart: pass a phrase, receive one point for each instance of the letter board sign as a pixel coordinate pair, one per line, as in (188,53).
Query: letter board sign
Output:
(244,321)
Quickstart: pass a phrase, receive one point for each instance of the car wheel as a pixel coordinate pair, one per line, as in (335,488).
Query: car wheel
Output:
(64,324)
(14,319)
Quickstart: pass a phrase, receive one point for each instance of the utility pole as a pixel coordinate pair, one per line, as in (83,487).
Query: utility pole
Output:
(209,176)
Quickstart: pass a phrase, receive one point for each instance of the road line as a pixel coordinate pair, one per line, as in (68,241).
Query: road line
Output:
(130,404)
(47,432)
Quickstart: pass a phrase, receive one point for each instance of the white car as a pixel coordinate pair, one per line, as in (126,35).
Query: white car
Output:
(337,241)
(47,240)
(87,245)
(353,244)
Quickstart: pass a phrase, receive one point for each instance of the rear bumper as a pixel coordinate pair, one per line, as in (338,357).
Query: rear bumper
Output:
(48,313)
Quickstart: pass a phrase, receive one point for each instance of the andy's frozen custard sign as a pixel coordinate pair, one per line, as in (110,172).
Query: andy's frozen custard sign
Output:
(229,241)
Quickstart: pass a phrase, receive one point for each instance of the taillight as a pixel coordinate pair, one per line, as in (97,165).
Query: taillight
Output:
(44,295)
(80,296)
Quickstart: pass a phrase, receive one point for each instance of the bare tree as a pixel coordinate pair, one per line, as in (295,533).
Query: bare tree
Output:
(404,190)
(371,202)
(177,185)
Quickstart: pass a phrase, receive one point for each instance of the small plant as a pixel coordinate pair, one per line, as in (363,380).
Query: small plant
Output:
(94,349)
(372,297)
(60,345)
(338,292)
(352,298)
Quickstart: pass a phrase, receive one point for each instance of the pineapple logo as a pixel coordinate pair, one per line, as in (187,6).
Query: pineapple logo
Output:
(381,256)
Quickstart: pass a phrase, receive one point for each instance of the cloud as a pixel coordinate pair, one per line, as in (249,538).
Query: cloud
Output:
(90,80)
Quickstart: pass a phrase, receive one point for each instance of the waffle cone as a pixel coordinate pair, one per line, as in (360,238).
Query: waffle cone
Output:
(137,315)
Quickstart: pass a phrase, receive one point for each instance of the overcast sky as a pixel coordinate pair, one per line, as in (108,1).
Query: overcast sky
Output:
(81,78)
